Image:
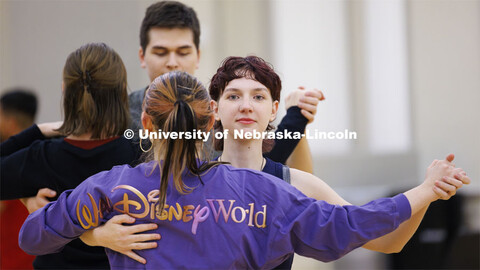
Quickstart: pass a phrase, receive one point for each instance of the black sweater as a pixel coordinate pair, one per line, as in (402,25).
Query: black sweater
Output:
(30,162)
(293,121)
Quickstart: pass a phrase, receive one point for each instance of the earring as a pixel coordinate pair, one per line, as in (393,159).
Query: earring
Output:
(143,150)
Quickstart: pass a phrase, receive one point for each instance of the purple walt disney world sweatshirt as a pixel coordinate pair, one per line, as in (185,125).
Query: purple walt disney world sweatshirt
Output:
(238,218)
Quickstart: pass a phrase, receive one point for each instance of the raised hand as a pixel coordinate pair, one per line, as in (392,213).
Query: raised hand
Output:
(306,100)
(447,186)
(446,179)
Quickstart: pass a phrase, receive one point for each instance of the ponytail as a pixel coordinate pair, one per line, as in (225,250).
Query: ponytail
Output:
(95,93)
(183,153)
(87,110)
(177,102)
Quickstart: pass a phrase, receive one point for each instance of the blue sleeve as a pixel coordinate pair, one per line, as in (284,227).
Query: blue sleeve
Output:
(21,140)
(50,228)
(327,232)
(293,121)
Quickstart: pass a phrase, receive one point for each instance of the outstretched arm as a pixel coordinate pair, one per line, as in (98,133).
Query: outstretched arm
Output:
(444,187)
(28,136)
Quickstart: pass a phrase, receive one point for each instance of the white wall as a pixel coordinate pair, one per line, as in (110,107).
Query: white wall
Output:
(445,72)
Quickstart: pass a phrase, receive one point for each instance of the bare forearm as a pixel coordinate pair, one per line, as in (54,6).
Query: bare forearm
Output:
(419,198)
(396,240)
(301,158)
(89,238)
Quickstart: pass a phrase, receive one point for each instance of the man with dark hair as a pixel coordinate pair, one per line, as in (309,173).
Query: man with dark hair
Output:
(18,108)
(169,14)
(170,39)
(17,112)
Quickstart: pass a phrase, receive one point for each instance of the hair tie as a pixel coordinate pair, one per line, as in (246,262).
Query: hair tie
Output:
(88,77)
(179,102)
(86,80)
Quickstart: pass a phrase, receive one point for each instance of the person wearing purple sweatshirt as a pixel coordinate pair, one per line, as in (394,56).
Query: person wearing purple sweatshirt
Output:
(238,105)
(212,215)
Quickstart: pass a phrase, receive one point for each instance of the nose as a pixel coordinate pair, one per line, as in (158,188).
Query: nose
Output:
(246,106)
(172,63)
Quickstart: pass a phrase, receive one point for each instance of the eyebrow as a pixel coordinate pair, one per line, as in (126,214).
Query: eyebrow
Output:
(236,89)
(158,47)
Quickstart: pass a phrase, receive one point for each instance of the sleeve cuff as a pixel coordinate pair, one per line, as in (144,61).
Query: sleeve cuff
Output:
(36,133)
(296,113)
(293,120)
(403,207)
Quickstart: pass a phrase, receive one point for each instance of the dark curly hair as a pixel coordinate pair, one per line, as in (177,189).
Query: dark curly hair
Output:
(251,67)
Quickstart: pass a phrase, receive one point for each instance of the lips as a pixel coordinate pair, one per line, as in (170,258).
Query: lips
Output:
(246,121)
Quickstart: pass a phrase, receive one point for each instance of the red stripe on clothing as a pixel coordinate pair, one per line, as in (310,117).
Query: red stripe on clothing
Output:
(89,144)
